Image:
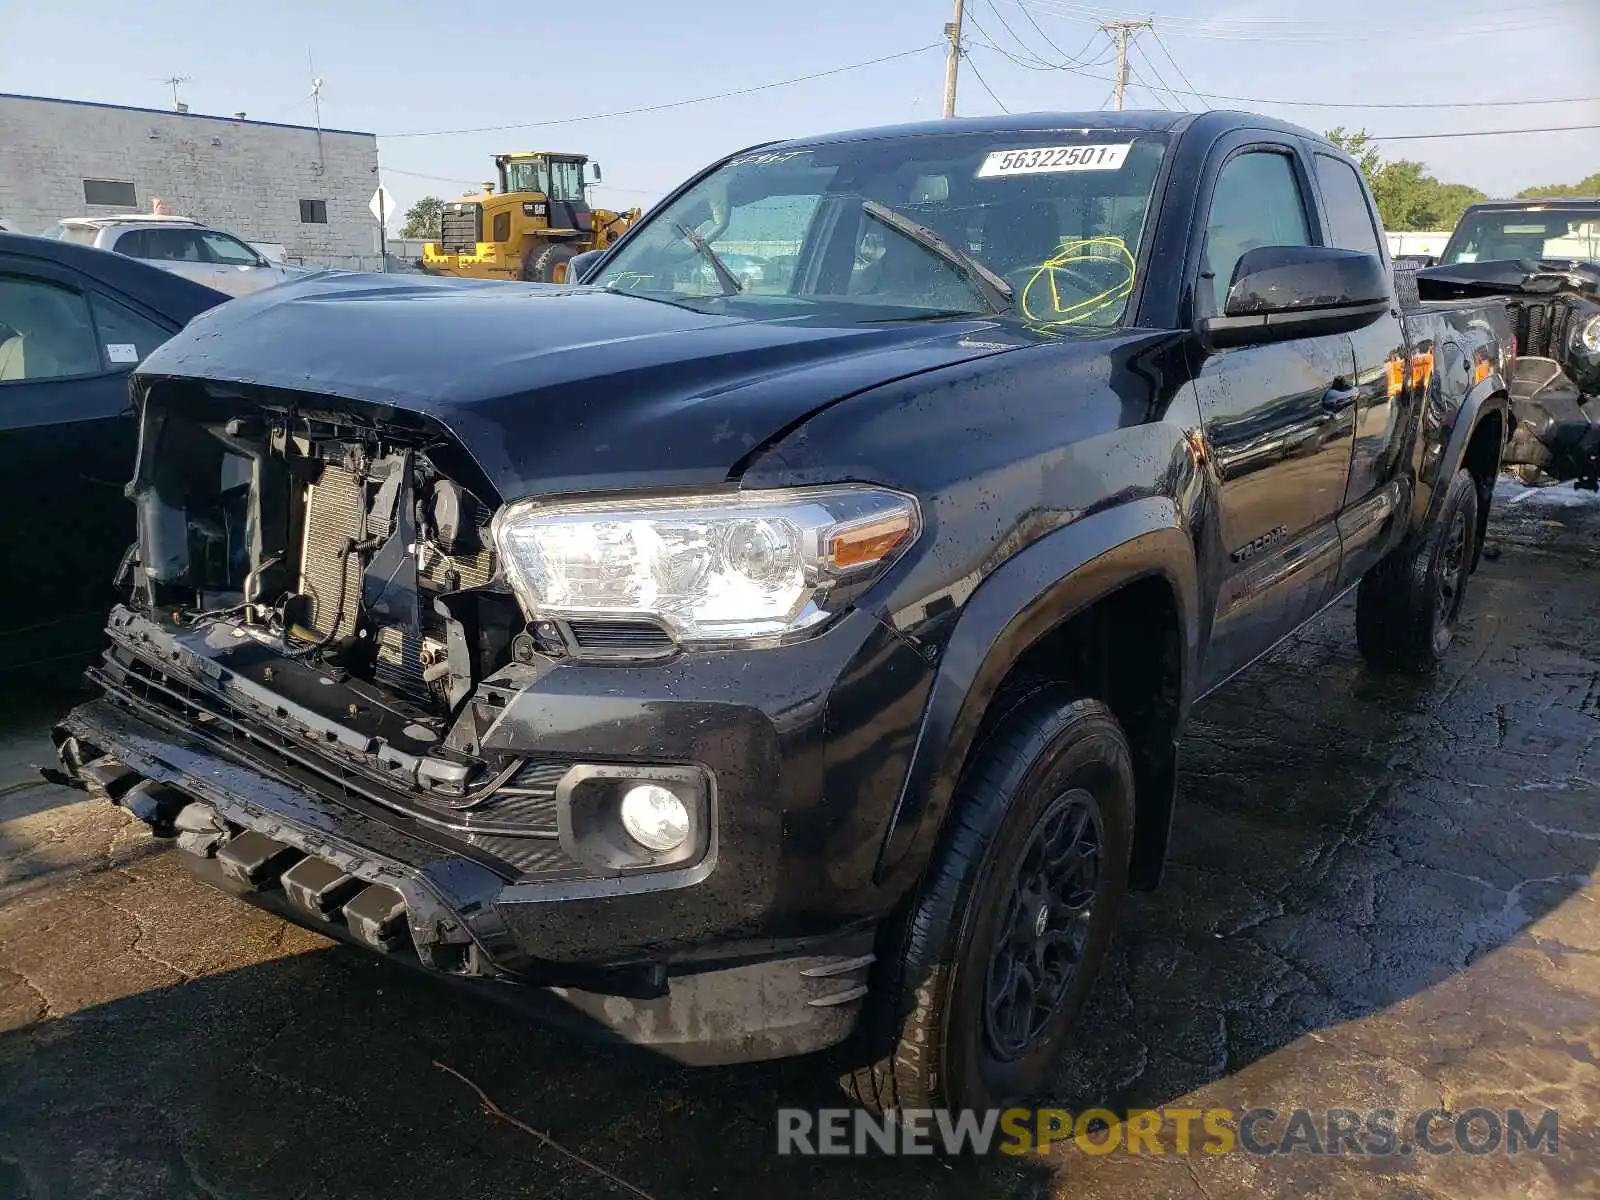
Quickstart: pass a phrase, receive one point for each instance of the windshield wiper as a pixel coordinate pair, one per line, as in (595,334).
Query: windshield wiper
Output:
(725,278)
(996,291)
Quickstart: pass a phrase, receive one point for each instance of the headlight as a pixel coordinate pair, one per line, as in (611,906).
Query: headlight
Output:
(740,566)
(1586,337)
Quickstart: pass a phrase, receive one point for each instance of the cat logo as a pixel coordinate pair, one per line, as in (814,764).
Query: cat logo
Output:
(1250,549)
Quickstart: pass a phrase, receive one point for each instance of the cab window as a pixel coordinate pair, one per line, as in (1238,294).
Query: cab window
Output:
(45,331)
(1256,202)
(126,336)
(1350,223)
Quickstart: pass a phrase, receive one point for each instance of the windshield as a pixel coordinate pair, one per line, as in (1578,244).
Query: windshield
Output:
(83,235)
(1532,232)
(558,180)
(1058,217)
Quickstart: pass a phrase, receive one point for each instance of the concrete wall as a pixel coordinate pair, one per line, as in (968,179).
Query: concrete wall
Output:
(247,177)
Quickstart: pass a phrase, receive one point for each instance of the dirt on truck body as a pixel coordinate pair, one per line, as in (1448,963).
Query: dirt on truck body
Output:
(745,662)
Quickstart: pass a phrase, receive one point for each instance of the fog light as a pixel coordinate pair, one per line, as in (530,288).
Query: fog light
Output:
(655,817)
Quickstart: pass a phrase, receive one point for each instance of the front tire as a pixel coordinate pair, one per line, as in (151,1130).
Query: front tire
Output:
(1408,607)
(981,979)
(548,264)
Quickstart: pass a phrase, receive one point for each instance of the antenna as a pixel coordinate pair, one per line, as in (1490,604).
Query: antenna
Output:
(316,107)
(173,81)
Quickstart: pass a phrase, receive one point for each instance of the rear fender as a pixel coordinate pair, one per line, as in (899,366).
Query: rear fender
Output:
(1444,453)
(1031,594)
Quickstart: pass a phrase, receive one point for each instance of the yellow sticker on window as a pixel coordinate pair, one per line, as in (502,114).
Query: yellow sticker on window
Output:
(1046,160)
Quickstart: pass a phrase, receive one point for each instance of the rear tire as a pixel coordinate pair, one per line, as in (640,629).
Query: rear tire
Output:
(547,264)
(1409,605)
(981,977)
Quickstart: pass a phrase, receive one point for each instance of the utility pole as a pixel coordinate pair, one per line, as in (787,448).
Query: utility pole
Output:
(1123,30)
(952,60)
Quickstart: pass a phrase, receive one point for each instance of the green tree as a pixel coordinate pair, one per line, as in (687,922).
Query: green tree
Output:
(1359,146)
(422,218)
(1408,197)
(1588,186)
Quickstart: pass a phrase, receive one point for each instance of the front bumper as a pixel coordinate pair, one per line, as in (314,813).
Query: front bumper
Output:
(759,948)
(308,860)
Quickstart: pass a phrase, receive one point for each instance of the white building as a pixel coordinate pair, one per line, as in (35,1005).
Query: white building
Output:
(301,188)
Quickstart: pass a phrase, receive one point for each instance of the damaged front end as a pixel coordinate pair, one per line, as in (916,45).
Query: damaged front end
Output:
(308,687)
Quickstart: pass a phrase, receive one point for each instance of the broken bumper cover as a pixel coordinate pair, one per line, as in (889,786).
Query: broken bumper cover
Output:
(358,878)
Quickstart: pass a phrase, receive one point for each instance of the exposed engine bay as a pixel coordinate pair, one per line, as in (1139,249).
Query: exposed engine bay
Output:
(1555,384)
(327,536)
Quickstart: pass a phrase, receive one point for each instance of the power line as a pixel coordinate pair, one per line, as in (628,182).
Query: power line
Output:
(1139,81)
(1191,91)
(1100,12)
(1162,46)
(1076,59)
(1002,19)
(1154,70)
(978,75)
(1420,137)
(476,182)
(651,108)
(1241,29)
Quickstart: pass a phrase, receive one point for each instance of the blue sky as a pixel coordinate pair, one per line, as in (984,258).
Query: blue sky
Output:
(407,66)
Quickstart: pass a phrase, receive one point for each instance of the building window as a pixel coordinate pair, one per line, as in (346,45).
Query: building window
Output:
(109,192)
(314,212)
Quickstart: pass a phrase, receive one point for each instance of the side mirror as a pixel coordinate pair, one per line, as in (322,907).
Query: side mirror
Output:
(594,170)
(581,264)
(1282,292)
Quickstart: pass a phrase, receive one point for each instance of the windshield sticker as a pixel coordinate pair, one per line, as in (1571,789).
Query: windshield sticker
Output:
(120,352)
(767,157)
(1046,160)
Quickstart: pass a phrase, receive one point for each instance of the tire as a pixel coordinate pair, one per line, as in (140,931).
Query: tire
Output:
(947,1024)
(547,263)
(1409,605)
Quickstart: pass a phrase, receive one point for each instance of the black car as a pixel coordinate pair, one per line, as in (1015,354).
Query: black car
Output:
(738,663)
(74,322)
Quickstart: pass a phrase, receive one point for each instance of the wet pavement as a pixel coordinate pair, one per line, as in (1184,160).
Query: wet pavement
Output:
(1383,895)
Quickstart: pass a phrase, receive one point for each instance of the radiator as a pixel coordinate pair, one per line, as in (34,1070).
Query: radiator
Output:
(334,506)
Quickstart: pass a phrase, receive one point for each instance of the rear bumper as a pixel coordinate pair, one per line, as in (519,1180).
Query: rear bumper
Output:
(359,879)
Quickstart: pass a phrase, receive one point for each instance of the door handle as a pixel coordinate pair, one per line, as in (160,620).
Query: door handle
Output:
(1337,399)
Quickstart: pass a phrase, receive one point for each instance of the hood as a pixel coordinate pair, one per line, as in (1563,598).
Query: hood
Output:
(561,389)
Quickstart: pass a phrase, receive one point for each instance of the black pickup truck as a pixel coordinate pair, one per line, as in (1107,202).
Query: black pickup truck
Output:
(787,633)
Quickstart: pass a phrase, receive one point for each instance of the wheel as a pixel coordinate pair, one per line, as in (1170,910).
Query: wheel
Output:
(1409,605)
(980,978)
(547,263)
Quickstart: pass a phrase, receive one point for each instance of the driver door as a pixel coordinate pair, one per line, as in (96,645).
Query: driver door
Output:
(1278,418)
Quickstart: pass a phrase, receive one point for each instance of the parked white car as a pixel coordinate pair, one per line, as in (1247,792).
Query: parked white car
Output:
(183,246)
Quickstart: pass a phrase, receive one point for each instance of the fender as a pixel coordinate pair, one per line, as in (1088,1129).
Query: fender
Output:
(1030,594)
(1486,396)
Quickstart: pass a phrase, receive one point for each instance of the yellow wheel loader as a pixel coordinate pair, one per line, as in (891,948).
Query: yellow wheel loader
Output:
(529,228)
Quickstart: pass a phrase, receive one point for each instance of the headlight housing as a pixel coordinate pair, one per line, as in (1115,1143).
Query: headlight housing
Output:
(748,568)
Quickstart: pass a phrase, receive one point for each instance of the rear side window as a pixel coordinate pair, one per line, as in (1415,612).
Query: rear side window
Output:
(1350,224)
(78,235)
(1257,202)
(174,245)
(134,243)
(125,335)
(45,332)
